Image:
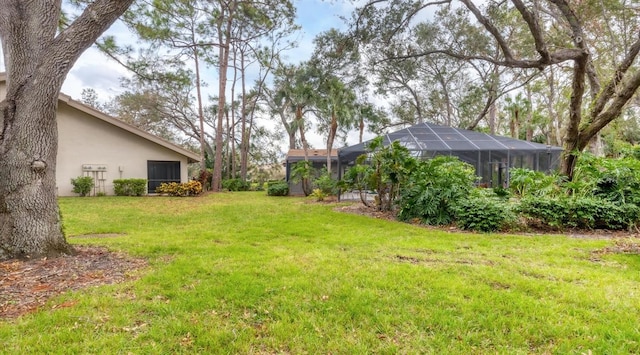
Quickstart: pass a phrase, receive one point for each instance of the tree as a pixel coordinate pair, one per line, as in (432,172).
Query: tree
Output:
(182,26)
(336,102)
(553,33)
(37,58)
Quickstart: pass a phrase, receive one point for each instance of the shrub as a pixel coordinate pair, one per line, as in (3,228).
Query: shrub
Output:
(326,184)
(303,172)
(434,188)
(590,212)
(581,212)
(205,179)
(191,188)
(82,185)
(525,182)
(483,214)
(130,187)
(318,194)
(236,185)
(383,169)
(279,188)
(550,211)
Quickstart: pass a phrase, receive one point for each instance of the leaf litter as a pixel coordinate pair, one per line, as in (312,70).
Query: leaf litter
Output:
(27,285)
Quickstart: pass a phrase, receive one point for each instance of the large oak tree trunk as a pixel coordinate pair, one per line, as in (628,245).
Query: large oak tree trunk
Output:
(29,217)
(37,60)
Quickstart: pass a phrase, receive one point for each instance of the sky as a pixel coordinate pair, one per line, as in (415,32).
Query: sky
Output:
(94,70)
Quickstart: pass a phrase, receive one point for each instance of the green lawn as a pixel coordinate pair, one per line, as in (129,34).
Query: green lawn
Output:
(247,273)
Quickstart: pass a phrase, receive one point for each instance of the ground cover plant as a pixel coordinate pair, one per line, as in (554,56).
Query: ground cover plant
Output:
(248,273)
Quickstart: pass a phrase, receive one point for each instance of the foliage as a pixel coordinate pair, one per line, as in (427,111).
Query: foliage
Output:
(277,188)
(581,212)
(482,213)
(236,185)
(326,184)
(526,182)
(191,188)
(434,188)
(383,170)
(130,187)
(205,179)
(303,172)
(319,195)
(430,53)
(357,178)
(82,185)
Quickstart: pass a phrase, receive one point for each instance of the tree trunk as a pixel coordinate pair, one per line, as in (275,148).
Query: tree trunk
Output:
(332,136)
(37,59)
(224,35)
(203,161)
(303,139)
(30,223)
(529,124)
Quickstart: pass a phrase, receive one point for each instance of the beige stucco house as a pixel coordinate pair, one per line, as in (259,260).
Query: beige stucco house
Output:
(94,144)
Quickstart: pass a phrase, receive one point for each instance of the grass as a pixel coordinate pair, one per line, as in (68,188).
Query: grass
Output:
(247,273)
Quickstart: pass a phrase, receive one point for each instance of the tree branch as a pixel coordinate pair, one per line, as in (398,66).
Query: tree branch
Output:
(579,41)
(614,109)
(534,27)
(506,51)
(554,58)
(96,18)
(606,93)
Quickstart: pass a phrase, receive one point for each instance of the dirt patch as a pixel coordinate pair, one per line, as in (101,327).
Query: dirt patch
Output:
(26,285)
(630,246)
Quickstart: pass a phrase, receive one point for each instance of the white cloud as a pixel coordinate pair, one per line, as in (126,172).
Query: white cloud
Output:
(96,71)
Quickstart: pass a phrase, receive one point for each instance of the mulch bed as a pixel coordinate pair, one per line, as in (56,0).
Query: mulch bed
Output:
(26,285)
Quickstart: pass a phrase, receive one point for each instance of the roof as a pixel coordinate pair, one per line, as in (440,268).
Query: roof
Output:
(313,154)
(191,156)
(435,138)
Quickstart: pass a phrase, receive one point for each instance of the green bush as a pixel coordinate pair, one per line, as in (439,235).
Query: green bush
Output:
(590,212)
(279,188)
(434,188)
(236,185)
(550,211)
(383,169)
(326,184)
(82,185)
(525,182)
(581,212)
(130,187)
(483,214)
(318,194)
(191,188)
(303,172)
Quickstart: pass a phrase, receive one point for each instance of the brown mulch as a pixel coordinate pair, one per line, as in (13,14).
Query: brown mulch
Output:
(26,285)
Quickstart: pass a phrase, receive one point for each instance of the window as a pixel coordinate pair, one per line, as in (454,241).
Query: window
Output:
(162,172)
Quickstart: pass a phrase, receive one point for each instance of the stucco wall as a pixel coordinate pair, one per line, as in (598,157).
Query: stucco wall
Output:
(84,139)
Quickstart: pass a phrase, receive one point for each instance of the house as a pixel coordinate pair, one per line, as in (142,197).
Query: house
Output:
(91,143)
(492,156)
(318,159)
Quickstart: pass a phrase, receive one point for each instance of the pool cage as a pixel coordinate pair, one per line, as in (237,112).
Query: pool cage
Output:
(492,156)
